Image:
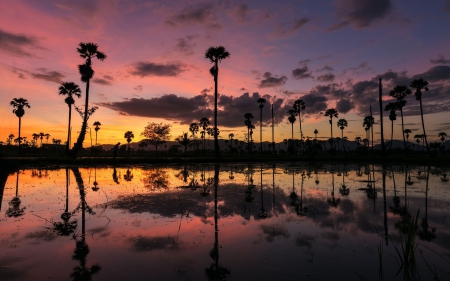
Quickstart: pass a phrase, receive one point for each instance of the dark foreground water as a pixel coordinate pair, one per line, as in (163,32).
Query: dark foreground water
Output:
(227,222)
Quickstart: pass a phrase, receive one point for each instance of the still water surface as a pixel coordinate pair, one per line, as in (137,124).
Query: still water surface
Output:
(227,222)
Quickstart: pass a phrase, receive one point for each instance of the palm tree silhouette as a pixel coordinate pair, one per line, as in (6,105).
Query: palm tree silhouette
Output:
(421,85)
(392,107)
(331,112)
(129,136)
(315,133)
(41,136)
(368,124)
(66,227)
(216,55)
(184,141)
(18,104)
(406,133)
(231,136)
(69,89)
(87,51)
(299,105)
(292,119)
(10,139)
(342,123)
(261,102)
(400,93)
(204,123)
(442,136)
(97,125)
(248,123)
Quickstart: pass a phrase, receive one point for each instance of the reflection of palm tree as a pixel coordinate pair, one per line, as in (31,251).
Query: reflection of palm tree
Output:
(14,209)
(344,190)
(249,197)
(261,102)
(19,104)
(66,227)
(425,234)
(263,213)
(114,176)
(216,271)
(128,175)
(333,202)
(301,211)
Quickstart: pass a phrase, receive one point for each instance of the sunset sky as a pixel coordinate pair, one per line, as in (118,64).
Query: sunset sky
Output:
(328,53)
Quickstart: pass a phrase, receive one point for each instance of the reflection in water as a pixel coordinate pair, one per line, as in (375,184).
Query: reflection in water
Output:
(14,209)
(136,230)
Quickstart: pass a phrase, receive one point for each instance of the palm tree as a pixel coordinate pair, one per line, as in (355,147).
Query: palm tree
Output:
(406,132)
(69,89)
(10,138)
(315,133)
(392,107)
(368,124)
(292,119)
(204,122)
(299,105)
(231,136)
(358,141)
(400,93)
(129,136)
(47,135)
(442,135)
(261,102)
(331,112)
(41,136)
(97,125)
(35,138)
(184,141)
(342,123)
(19,104)
(216,55)
(421,85)
(87,51)
(248,123)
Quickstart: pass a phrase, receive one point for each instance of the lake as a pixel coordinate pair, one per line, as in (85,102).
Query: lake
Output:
(226,222)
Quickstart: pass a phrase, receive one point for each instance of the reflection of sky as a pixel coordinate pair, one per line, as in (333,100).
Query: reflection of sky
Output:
(286,49)
(138,229)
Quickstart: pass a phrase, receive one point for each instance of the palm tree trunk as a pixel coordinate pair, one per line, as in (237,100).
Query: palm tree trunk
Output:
(67,190)
(423,127)
(332,143)
(403,132)
(392,135)
(273,133)
(216,140)
(78,145)
(68,130)
(260,132)
(380,102)
(20,124)
(300,122)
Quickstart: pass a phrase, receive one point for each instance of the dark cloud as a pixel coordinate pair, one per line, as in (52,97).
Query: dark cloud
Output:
(144,69)
(304,61)
(186,45)
(344,105)
(325,68)
(301,73)
(314,103)
(50,76)
(290,29)
(272,81)
(360,13)
(329,77)
(106,80)
(243,89)
(362,67)
(17,44)
(204,91)
(240,13)
(138,88)
(440,60)
(199,14)
(436,73)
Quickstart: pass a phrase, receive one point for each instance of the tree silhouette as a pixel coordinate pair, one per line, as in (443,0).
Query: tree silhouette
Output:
(69,89)
(392,107)
(230,137)
(292,119)
(342,123)
(368,124)
(299,105)
(184,141)
(406,133)
(400,93)
(261,102)
(156,134)
(204,123)
(18,104)
(97,125)
(442,136)
(331,112)
(248,123)
(421,85)
(128,136)
(315,133)
(216,55)
(87,51)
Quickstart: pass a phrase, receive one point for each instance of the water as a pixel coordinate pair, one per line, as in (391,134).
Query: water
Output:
(260,222)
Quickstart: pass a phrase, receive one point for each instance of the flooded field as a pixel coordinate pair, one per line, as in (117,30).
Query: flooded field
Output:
(227,222)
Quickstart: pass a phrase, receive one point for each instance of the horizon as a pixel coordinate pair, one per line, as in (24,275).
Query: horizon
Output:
(155,70)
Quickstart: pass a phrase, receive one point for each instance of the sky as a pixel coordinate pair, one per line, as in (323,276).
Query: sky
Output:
(330,54)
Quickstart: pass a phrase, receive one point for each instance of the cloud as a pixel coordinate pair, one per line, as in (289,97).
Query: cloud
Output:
(190,109)
(240,13)
(50,76)
(362,67)
(185,45)
(105,81)
(144,69)
(304,61)
(440,60)
(314,103)
(301,73)
(204,91)
(329,77)
(272,81)
(360,13)
(344,105)
(138,88)
(325,68)
(436,73)
(290,29)
(16,44)
(199,14)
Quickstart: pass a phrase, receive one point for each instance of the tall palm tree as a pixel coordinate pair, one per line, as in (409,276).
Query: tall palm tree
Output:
(421,85)
(299,105)
(315,133)
(35,138)
(331,112)
(69,89)
(41,136)
(216,55)
(292,119)
(129,136)
(358,141)
(261,102)
(342,123)
(87,51)
(204,123)
(184,141)
(248,123)
(392,107)
(97,125)
(47,135)
(368,124)
(400,93)
(18,104)
(406,132)
(442,135)
(231,136)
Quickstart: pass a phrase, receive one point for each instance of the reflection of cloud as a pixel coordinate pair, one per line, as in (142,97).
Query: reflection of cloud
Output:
(146,244)
(305,240)
(8,269)
(272,231)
